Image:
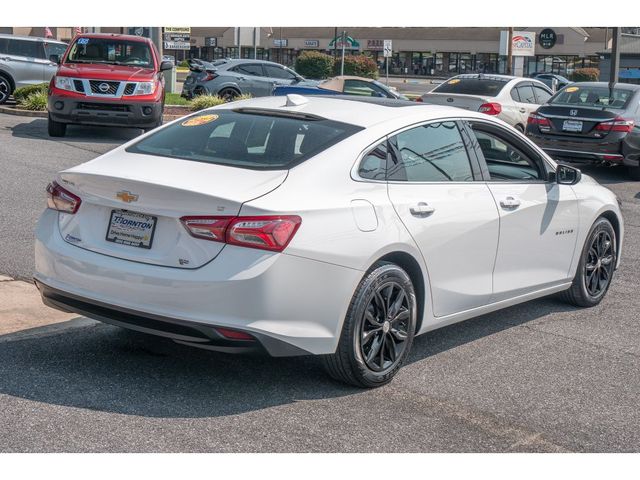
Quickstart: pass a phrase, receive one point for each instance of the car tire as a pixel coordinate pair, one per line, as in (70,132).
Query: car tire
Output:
(634,172)
(5,89)
(596,266)
(228,94)
(56,129)
(520,128)
(376,338)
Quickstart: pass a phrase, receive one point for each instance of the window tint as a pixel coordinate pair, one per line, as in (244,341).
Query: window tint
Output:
(4,45)
(488,87)
(541,95)
(431,153)
(525,92)
(54,49)
(374,164)
(25,48)
(359,87)
(278,72)
(250,69)
(244,139)
(505,161)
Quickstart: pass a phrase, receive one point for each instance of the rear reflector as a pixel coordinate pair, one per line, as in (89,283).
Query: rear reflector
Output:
(491,108)
(535,119)
(61,199)
(234,334)
(265,232)
(618,124)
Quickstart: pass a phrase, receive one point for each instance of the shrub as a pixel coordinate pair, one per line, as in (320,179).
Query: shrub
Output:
(207,101)
(23,92)
(359,65)
(184,64)
(585,75)
(35,101)
(312,64)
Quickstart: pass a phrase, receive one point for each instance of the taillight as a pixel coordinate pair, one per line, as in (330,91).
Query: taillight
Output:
(419,99)
(535,119)
(491,108)
(618,124)
(265,232)
(61,199)
(234,334)
(210,76)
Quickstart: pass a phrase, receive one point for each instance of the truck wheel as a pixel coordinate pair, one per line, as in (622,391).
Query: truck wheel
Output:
(56,129)
(5,89)
(378,330)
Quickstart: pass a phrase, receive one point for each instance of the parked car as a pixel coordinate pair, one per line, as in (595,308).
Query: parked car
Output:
(108,79)
(231,78)
(341,85)
(169,58)
(548,80)
(337,226)
(509,98)
(588,122)
(26,61)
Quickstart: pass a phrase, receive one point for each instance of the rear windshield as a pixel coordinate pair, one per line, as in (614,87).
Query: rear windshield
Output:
(245,139)
(472,86)
(111,51)
(593,96)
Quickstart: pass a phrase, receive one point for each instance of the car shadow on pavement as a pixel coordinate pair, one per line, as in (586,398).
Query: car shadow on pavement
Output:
(100,367)
(606,175)
(37,129)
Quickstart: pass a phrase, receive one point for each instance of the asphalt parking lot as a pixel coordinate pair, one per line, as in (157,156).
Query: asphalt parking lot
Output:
(541,376)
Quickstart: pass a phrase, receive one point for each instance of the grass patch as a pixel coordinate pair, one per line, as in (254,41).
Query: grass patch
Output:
(175,99)
(36,101)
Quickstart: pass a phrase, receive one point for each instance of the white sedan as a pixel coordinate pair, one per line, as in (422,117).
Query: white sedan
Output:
(511,99)
(340,227)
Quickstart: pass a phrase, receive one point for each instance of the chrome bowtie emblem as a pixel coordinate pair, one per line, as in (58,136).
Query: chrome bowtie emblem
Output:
(127,197)
(573,112)
(103,87)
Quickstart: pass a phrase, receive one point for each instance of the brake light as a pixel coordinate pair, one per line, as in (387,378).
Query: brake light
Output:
(491,108)
(419,100)
(61,199)
(535,119)
(618,124)
(265,232)
(210,76)
(234,334)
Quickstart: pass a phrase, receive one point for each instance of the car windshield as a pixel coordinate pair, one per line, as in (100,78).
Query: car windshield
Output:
(592,96)
(248,138)
(111,50)
(486,87)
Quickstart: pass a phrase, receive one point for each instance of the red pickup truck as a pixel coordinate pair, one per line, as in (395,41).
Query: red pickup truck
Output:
(107,79)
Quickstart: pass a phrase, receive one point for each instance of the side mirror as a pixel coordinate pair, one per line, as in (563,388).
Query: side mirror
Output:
(54,58)
(566,175)
(166,65)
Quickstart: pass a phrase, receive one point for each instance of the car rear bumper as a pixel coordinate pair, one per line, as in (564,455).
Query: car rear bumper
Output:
(588,151)
(291,305)
(89,111)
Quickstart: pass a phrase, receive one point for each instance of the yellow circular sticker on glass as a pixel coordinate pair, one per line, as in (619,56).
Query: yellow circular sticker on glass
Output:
(200,120)
(454,81)
(571,89)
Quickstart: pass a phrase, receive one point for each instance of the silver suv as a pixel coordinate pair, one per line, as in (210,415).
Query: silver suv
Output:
(27,60)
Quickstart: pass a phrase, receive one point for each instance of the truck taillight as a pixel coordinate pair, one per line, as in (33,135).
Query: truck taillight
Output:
(535,119)
(264,232)
(62,200)
(618,124)
(491,108)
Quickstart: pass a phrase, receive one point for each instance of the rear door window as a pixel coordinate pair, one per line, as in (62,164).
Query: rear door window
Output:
(248,138)
(434,152)
(253,69)
(26,48)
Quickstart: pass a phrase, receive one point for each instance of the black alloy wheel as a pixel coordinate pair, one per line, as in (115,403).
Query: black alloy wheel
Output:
(600,263)
(384,327)
(5,89)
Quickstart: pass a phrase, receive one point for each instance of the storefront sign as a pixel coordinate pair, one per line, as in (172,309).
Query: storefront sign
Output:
(140,31)
(349,42)
(375,45)
(177,38)
(312,43)
(523,43)
(186,30)
(176,45)
(210,42)
(280,42)
(547,38)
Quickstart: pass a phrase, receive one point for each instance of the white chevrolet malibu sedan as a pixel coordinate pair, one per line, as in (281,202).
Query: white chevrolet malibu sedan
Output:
(332,226)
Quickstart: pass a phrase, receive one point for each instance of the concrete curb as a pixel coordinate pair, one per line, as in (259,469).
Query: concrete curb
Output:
(22,113)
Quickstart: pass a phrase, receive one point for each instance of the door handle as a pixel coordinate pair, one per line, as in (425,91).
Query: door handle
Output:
(523,110)
(422,209)
(509,203)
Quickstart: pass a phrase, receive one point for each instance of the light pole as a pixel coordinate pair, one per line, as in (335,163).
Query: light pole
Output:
(344,37)
(509,50)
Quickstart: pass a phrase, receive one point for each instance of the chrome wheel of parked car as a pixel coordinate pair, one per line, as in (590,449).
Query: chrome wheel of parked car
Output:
(5,89)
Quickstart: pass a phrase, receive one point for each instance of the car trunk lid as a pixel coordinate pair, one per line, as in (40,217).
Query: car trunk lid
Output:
(468,102)
(135,215)
(576,121)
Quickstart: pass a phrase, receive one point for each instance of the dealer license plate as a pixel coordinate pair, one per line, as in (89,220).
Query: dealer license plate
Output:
(572,126)
(131,228)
